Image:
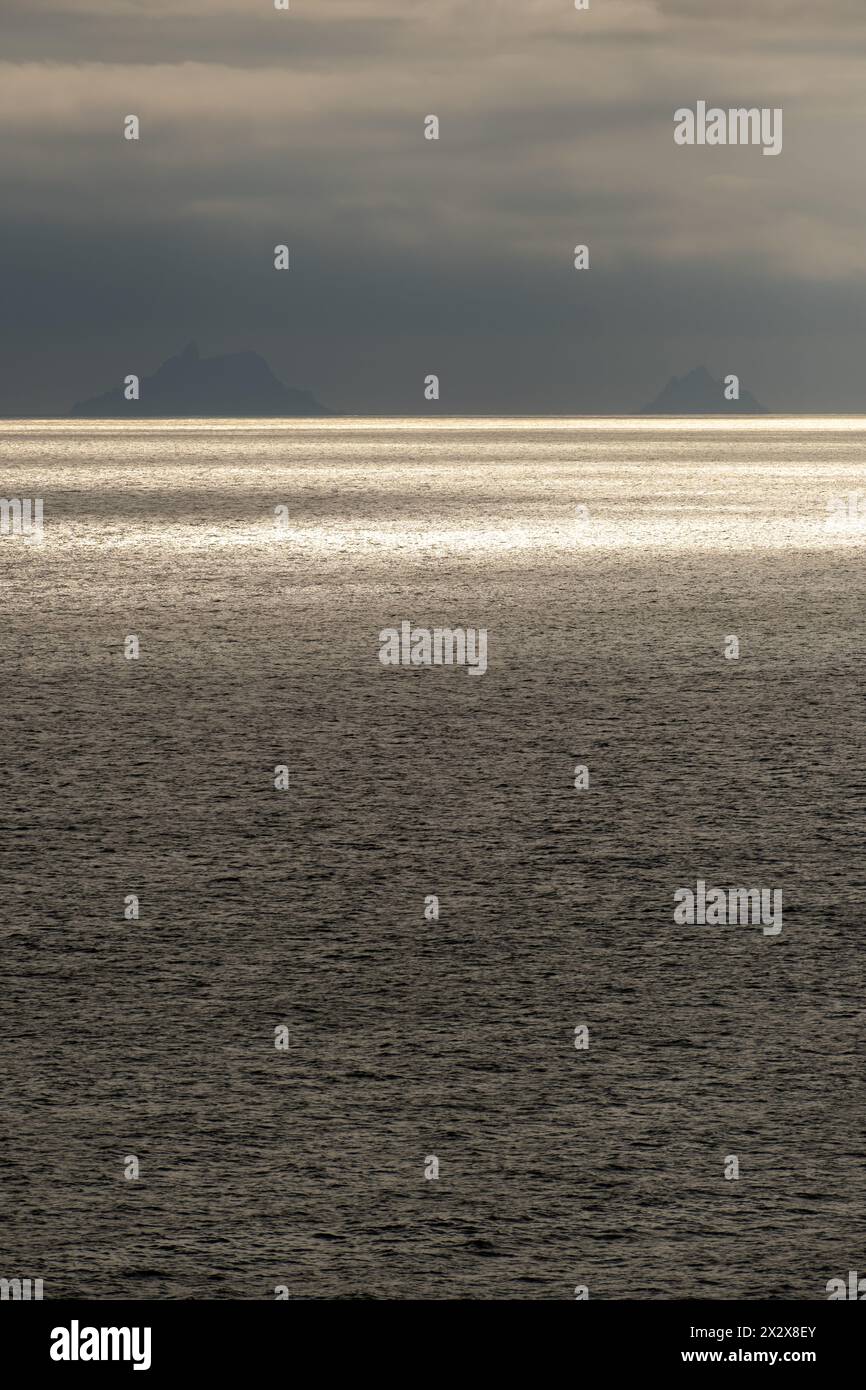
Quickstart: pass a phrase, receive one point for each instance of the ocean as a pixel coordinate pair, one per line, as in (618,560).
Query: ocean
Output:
(257,563)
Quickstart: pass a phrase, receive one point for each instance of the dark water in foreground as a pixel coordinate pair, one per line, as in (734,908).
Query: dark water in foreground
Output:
(411,1038)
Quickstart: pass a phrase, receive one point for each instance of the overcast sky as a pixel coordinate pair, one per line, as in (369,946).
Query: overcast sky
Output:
(411,256)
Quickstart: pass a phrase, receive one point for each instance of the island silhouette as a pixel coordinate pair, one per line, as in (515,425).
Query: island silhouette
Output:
(236,384)
(697,393)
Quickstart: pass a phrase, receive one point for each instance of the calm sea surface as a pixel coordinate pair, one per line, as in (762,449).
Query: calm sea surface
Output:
(409,1038)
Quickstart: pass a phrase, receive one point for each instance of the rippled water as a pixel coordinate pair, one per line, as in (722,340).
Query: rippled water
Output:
(410,1038)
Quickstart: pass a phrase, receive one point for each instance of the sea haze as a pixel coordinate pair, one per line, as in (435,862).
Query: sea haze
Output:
(408,1038)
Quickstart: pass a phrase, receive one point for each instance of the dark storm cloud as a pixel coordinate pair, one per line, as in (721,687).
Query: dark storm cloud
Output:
(410,256)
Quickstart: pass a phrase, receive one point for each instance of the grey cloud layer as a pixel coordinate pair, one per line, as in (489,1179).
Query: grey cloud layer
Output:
(260,127)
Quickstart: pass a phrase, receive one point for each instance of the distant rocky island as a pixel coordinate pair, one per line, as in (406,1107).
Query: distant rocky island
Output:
(238,384)
(698,393)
